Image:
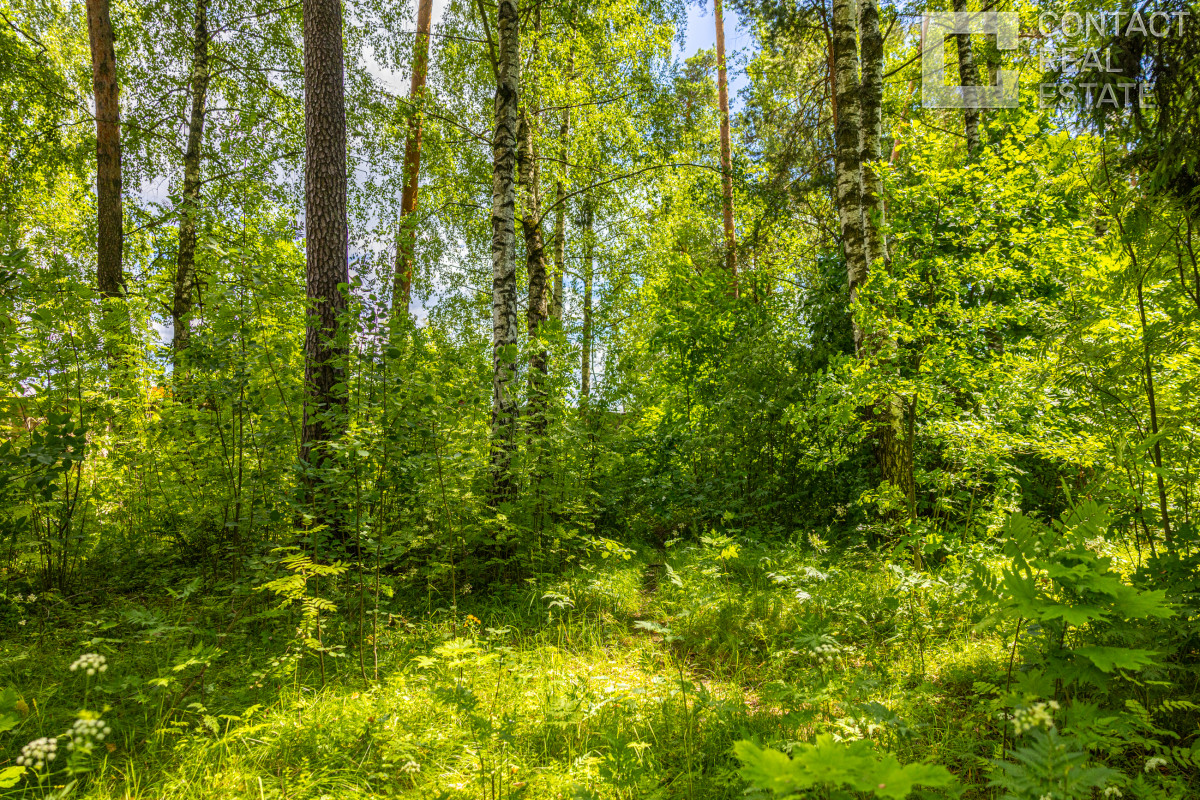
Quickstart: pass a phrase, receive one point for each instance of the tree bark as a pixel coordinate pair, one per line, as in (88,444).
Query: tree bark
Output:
(860,211)
(726,152)
(326,248)
(185,265)
(848,153)
(110,275)
(407,237)
(589,254)
(535,268)
(871,98)
(1150,399)
(968,75)
(504,252)
(560,221)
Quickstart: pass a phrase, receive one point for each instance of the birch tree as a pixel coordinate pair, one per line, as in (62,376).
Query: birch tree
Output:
(504,251)
(968,75)
(185,264)
(860,211)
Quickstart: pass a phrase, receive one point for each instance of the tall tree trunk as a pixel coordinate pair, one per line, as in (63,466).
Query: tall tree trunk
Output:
(560,221)
(535,267)
(504,252)
(968,75)
(185,265)
(589,254)
(325,223)
(406,239)
(110,275)
(848,153)
(871,107)
(860,211)
(1150,399)
(726,152)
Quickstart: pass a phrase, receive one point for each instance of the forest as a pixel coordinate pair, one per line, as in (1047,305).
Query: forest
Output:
(599,399)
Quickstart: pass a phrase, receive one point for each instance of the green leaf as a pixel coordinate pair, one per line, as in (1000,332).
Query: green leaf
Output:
(1109,659)
(9,776)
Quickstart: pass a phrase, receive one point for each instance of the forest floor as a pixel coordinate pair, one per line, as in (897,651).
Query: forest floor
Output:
(629,677)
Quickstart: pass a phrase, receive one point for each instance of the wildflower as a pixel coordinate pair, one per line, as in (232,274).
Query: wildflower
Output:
(411,766)
(1036,716)
(1112,791)
(1154,762)
(38,753)
(91,662)
(86,734)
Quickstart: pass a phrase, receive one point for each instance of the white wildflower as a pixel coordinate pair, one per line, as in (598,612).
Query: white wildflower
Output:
(1112,791)
(86,734)
(91,663)
(1035,716)
(38,753)
(1154,763)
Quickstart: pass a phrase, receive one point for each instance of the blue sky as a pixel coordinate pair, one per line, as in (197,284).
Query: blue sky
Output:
(702,34)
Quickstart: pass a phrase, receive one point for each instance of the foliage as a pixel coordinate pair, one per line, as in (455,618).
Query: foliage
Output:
(831,767)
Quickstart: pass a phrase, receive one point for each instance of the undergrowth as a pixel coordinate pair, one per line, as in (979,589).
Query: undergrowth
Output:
(632,676)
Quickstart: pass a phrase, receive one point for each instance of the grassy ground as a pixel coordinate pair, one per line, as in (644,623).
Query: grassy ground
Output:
(629,678)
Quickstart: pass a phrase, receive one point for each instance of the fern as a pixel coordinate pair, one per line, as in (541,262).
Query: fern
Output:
(828,764)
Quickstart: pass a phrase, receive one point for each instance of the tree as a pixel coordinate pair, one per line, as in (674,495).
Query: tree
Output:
(185,269)
(860,207)
(968,76)
(560,220)
(110,275)
(535,267)
(326,247)
(726,152)
(504,251)
(587,236)
(871,98)
(406,240)
(848,152)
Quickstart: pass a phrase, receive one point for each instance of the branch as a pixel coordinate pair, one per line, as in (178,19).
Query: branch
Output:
(635,173)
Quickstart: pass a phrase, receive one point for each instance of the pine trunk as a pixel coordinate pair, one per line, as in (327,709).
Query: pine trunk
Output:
(726,152)
(407,237)
(504,252)
(325,224)
(110,275)
(185,265)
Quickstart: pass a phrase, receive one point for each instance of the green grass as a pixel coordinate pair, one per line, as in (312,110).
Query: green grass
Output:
(622,679)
